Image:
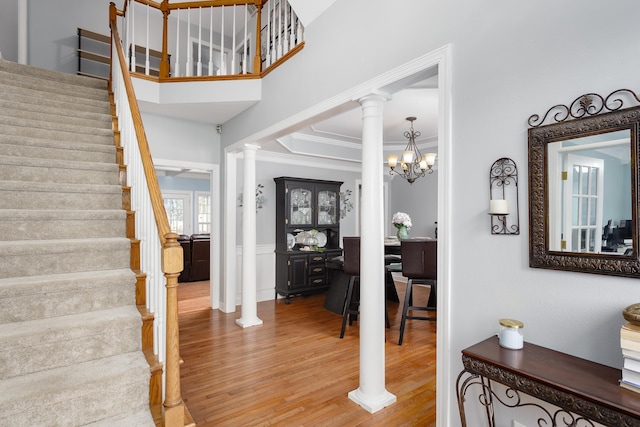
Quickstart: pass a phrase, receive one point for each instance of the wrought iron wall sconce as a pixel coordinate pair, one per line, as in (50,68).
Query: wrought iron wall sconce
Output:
(503,191)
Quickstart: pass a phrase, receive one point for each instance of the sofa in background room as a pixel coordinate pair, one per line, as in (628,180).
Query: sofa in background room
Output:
(195,250)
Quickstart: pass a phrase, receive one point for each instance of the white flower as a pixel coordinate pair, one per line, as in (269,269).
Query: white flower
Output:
(401,219)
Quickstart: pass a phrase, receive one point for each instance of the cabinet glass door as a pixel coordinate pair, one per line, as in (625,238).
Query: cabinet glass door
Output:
(300,202)
(327,207)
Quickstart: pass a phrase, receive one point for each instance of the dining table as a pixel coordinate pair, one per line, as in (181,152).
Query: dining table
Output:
(338,281)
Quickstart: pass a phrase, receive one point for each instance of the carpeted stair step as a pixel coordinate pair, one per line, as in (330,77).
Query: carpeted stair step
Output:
(41,297)
(22,110)
(101,136)
(69,103)
(37,345)
(30,101)
(41,257)
(18,224)
(33,195)
(77,395)
(52,76)
(15,145)
(141,418)
(61,171)
(69,130)
(51,87)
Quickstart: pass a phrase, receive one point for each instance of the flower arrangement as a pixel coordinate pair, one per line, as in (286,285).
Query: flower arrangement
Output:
(401,219)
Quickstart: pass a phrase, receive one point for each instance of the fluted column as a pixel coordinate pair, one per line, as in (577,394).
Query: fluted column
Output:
(371,394)
(249,315)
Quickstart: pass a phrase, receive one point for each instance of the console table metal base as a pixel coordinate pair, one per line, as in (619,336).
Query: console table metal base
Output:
(582,392)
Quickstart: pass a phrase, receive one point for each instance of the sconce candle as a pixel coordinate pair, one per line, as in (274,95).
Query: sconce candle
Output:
(498,207)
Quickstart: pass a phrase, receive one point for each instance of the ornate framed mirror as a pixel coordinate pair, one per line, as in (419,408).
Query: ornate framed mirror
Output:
(583,185)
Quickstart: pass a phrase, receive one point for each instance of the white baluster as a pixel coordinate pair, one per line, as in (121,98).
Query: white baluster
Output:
(221,71)
(267,42)
(199,70)
(292,40)
(233,42)
(279,52)
(189,70)
(146,61)
(210,65)
(244,42)
(176,65)
(285,33)
(127,47)
(273,34)
(133,37)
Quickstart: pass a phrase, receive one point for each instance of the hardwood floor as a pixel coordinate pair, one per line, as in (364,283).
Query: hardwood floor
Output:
(294,370)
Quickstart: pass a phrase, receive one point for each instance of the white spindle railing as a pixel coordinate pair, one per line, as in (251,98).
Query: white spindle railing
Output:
(146,229)
(176,70)
(231,41)
(130,46)
(146,56)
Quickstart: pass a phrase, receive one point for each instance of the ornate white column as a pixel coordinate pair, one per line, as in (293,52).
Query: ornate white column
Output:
(371,394)
(249,315)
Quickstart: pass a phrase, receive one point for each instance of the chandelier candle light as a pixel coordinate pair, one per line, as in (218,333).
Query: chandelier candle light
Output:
(402,222)
(413,164)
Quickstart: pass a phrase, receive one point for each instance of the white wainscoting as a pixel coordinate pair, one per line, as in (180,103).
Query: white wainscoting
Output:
(265,273)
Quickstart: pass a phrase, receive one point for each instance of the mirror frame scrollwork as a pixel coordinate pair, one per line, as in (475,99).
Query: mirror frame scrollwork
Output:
(588,114)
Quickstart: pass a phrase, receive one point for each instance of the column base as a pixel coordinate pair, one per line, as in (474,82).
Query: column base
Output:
(372,405)
(246,323)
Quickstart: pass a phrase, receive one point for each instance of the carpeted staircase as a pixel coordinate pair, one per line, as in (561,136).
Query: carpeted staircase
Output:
(70,333)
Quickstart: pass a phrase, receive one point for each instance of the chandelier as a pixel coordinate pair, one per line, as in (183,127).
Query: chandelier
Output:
(413,164)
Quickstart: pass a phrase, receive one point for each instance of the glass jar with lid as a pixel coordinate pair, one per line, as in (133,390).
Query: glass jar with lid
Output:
(510,335)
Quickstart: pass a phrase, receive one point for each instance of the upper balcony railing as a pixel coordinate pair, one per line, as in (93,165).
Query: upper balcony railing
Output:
(209,39)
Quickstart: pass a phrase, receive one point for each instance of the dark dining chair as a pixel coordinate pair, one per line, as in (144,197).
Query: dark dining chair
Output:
(351,267)
(419,266)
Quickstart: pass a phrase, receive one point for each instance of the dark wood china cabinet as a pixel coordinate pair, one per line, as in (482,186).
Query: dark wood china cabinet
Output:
(307,234)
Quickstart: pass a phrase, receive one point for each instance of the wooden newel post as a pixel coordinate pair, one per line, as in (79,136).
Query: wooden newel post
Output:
(164,62)
(257,60)
(172,265)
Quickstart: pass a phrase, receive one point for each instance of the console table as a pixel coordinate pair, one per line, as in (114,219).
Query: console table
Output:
(582,391)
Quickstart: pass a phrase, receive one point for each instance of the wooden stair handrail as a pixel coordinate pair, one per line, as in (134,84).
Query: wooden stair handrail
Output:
(162,222)
(171,253)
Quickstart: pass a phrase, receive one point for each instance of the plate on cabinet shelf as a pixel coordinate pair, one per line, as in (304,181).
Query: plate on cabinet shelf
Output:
(324,218)
(291,240)
(322,239)
(298,217)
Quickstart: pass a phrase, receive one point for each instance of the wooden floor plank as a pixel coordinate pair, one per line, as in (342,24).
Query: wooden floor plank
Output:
(294,370)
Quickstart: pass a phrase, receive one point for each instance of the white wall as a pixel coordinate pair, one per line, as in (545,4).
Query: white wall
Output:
(181,140)
(53,30)
(419,200)
(510,60)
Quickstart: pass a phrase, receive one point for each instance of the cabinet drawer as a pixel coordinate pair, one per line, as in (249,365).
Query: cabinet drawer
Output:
(316,269)
(317,280)
(317,258)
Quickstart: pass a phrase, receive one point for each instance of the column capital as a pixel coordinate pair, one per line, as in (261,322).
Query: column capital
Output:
(376,96)
(250,147)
